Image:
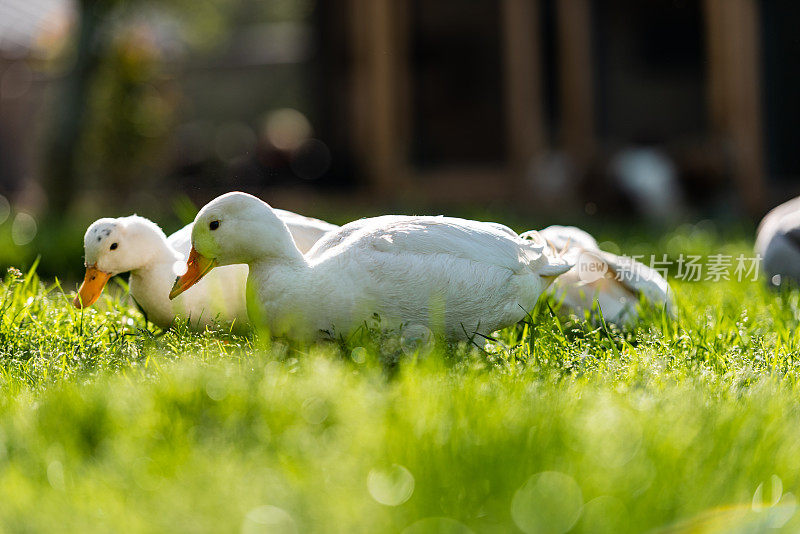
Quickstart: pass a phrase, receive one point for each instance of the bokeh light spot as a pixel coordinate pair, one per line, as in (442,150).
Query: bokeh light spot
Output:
(548,503)
(391,486)
(762,501)
(23,229)
(314,410)
(359,355)
(268,520)
(216,390)
(287,129)
(55,475)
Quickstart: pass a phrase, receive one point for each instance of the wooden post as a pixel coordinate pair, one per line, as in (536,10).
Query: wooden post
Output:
(359,76)
(574,23)
(378,57)
(735,93)
(523,77)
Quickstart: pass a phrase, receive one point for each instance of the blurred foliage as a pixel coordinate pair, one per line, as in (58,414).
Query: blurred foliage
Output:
(129,117)
(114,119)
(185,209)
(286,10)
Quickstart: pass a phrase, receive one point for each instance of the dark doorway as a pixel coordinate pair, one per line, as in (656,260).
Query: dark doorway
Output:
(650,69)
(781,88)
(456,83)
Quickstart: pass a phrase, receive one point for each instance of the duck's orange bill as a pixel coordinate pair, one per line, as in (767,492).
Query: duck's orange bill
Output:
(93,284)
(197,266)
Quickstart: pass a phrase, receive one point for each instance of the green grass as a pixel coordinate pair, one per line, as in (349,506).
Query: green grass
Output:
(685,425)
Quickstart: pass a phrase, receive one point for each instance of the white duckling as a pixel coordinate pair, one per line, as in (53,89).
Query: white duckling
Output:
(455,276)
(138,245)
(778,243)
(614,282)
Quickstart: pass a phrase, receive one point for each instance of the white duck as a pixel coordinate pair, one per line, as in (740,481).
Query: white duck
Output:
(614,282)
(456,276)
(778,243)
(136,244)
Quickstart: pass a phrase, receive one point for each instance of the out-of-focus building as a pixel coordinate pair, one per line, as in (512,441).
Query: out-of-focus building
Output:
(27,31)
(469,98)
(527,102)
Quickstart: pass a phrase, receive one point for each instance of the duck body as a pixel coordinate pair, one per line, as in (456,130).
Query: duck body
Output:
(599,278)
(142,249)
(458,277)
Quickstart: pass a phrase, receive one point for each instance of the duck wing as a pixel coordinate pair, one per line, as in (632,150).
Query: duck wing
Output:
(405,236)
(331,242)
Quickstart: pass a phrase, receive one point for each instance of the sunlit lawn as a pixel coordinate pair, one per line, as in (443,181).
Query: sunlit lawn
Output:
(691,425)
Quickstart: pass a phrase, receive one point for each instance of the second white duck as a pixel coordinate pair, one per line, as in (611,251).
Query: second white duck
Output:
(456,276)
(137,245)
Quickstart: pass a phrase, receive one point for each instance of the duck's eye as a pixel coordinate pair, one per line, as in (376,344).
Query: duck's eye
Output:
(213,225)
(113,246)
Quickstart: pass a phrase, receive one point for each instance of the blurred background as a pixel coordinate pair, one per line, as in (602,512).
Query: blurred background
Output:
(532,112)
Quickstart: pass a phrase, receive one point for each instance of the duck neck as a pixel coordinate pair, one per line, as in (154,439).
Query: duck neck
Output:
(268,244)
(150,285)
(290,257)
(285,294)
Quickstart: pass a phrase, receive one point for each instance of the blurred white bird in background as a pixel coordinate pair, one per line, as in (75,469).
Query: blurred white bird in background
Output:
(778,243)
(649,178)
(614,283)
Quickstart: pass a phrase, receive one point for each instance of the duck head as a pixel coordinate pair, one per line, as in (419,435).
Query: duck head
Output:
(234,228)
(114,246)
